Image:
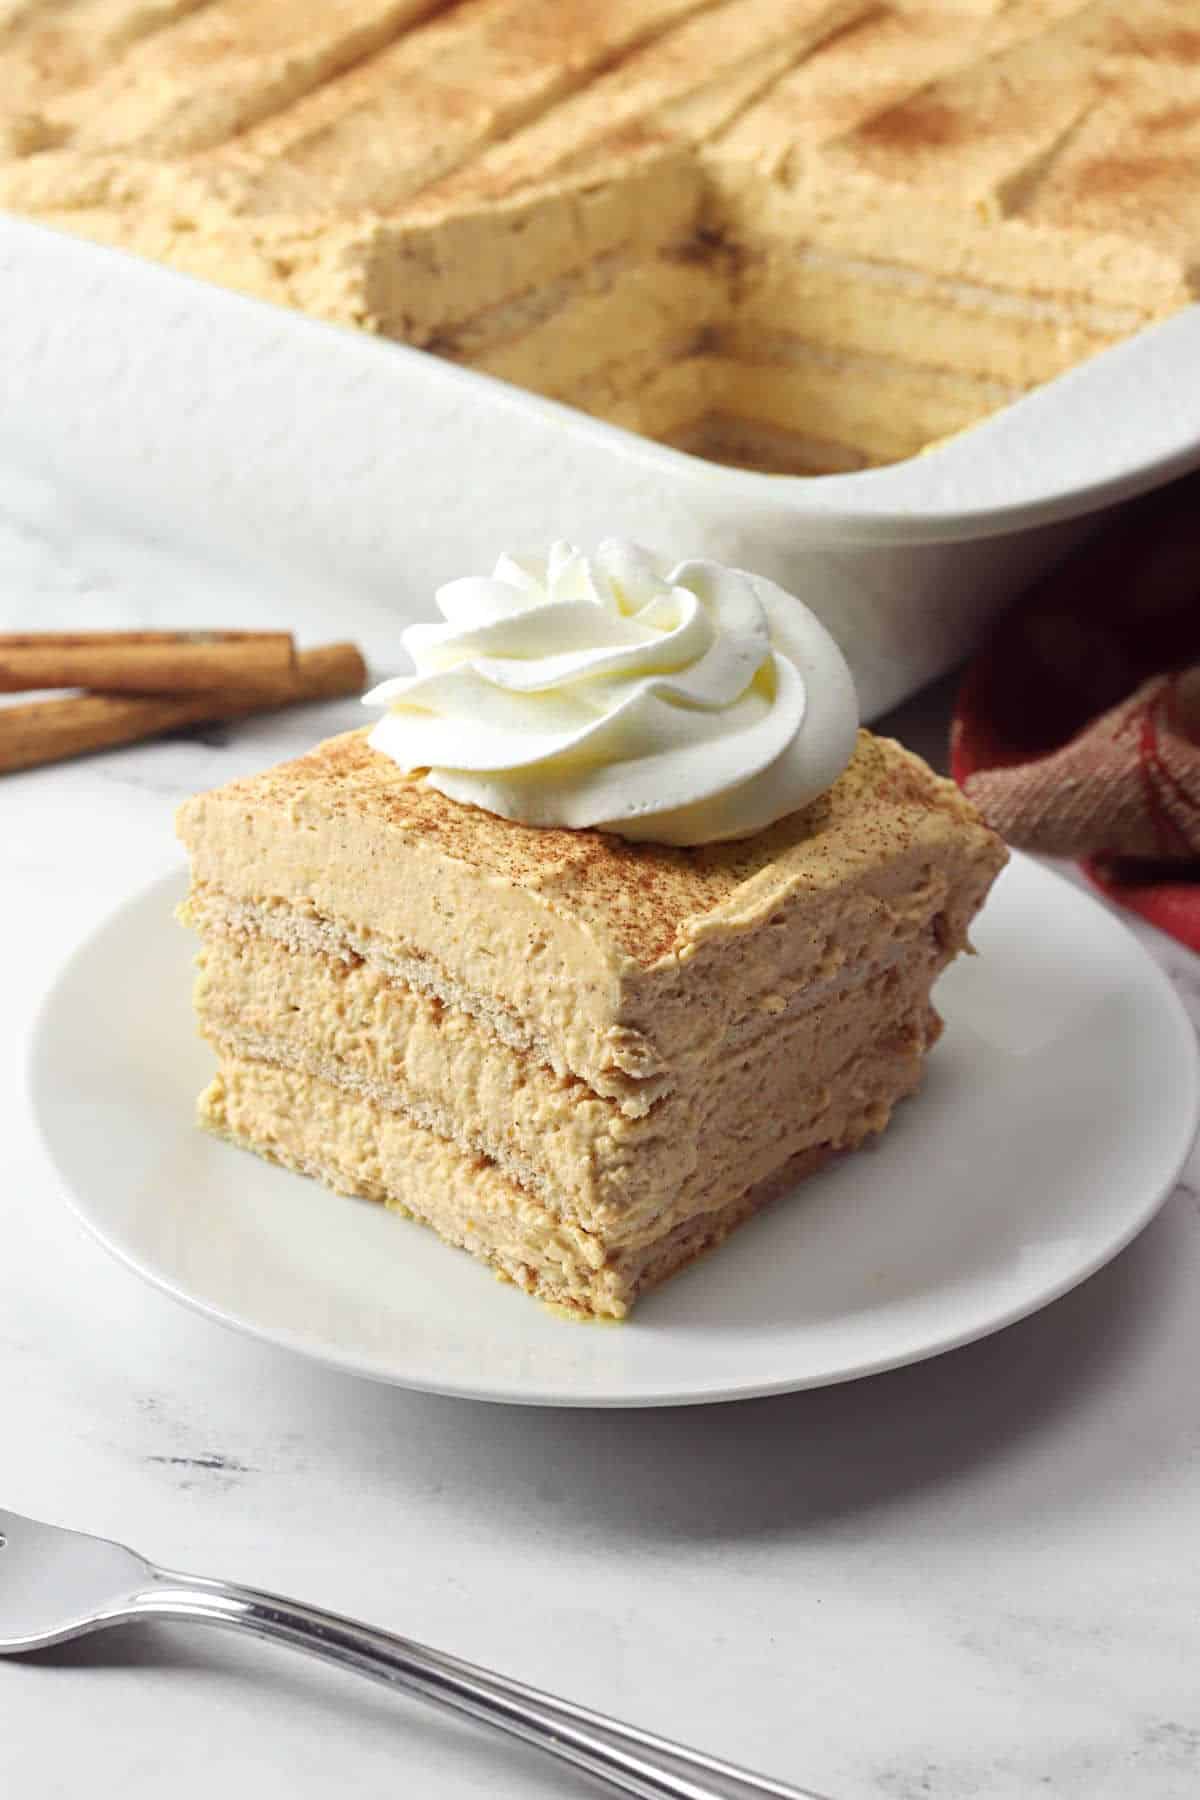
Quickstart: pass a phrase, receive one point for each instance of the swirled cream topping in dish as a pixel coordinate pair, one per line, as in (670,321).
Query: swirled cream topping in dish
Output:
(680,704)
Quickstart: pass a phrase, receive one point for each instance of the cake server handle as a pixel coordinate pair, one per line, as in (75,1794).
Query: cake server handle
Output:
(628,1759)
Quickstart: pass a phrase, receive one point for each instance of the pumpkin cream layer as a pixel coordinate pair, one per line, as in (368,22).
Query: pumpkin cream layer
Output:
(825,1072)
(627,966)
(317,1129)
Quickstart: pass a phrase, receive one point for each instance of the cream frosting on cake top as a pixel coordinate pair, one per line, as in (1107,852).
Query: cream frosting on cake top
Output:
(679,704)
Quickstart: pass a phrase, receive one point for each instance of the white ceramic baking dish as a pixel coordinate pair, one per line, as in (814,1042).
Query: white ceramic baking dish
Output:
(203,431)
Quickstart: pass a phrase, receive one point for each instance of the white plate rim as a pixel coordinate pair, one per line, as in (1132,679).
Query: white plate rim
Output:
(1175,1018)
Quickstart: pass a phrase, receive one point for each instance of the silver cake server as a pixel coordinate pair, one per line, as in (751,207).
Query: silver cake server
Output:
(56,1585)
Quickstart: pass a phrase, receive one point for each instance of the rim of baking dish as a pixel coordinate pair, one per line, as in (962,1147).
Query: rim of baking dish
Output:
(1126,420)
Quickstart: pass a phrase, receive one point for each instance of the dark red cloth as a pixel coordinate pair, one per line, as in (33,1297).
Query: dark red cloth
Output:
(1077,729)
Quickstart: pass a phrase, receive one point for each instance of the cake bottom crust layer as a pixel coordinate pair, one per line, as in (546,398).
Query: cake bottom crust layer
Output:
(314,1129)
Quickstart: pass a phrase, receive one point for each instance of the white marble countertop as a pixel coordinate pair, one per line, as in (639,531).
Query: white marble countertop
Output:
(971,1580)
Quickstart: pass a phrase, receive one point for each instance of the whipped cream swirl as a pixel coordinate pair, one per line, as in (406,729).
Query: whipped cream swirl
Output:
(678,704)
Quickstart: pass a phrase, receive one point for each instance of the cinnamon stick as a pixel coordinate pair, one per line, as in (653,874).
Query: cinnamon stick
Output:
(46,731)
(146,662)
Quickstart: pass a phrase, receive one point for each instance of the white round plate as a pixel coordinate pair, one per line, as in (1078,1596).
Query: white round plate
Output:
(1057,1111)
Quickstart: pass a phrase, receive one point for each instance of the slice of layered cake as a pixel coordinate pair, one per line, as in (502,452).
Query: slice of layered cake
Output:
(585,1054)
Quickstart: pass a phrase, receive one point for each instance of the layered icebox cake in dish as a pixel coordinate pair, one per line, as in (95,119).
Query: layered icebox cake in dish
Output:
(802,235)
(658,944)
